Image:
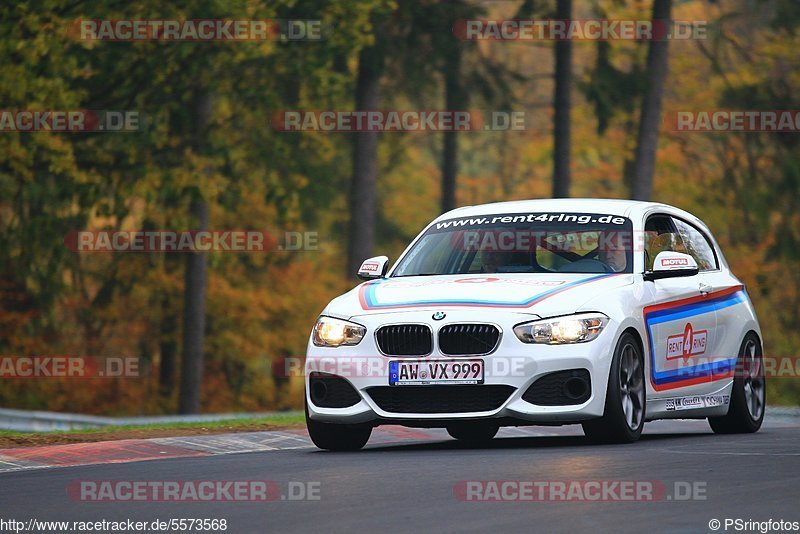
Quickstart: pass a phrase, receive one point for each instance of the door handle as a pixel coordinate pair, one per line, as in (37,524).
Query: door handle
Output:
(705,289)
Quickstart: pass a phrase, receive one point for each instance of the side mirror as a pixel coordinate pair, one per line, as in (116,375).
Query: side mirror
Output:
(373,268)
(670,264)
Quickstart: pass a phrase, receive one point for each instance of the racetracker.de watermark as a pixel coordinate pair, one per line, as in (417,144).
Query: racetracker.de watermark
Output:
(73,121)
(578,490)
(53,366)
(398,121)
(552,240)
(190,241)
(380,366)
(515,366)
(723,120)
(579,30)
(193,491)
(767,366)
(199,30)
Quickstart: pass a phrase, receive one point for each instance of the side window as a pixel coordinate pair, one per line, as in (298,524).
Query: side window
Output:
(697,245)
(661,235)
(663,232)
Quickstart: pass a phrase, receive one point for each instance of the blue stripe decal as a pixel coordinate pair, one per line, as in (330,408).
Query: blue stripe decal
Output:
(687,373)
(690,310)
(373,303)
(683,312)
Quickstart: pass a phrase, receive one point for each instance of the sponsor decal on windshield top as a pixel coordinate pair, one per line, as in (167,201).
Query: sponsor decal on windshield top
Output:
(532,218)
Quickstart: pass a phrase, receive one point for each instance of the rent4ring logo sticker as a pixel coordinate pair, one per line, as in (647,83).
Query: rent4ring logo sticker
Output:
(688,344)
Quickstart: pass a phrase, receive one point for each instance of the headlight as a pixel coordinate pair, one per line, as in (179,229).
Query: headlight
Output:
(330,332)
(569,329)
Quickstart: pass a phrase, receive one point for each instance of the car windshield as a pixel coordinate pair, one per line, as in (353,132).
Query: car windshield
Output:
(522,243)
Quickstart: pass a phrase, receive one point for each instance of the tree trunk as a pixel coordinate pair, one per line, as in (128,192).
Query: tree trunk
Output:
(562,104)
(455,100)
(194,319)
(196,277)
(363,197)
(168,349)
(650,119)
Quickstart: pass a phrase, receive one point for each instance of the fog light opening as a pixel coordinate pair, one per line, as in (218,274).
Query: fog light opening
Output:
(575,387)
(319,391)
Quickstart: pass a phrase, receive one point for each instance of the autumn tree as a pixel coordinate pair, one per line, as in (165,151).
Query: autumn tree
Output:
(562,90)
(363,198)
(650,116)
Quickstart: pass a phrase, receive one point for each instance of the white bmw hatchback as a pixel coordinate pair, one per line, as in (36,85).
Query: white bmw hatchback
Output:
(604,313)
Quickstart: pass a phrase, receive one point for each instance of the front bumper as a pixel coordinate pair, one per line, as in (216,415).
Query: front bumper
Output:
(512,363)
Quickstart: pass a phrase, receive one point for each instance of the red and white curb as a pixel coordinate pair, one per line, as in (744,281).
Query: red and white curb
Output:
(134,450)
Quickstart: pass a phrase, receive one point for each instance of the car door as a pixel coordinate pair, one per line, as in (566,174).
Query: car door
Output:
(680,322)
(725,292)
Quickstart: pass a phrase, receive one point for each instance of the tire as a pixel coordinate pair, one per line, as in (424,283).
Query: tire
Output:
(624,413)
(473,433)
(337,437)
(749,393)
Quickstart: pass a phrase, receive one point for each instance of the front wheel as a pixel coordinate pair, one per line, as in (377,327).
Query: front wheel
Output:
(623,416)
(748,396)
(337,437)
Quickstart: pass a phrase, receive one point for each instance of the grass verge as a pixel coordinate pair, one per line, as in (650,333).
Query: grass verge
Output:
(12,439)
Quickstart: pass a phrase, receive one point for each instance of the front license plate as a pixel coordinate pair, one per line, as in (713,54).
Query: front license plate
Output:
(421,372)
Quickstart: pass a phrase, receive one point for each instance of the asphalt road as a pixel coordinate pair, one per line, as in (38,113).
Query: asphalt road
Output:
(409,486)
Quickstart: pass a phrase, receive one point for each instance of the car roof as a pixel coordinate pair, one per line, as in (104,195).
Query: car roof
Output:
(625,208)
(636,210)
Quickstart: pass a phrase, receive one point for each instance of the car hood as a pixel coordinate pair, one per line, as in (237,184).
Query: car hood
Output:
(542,295)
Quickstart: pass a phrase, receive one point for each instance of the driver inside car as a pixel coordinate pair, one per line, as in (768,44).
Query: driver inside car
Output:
(611,251)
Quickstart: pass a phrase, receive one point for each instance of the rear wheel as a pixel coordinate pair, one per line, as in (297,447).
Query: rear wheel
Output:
(337,437)
(748,396)
(623,416)
(473,433)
